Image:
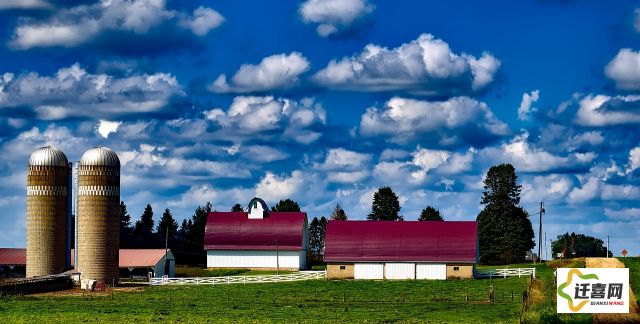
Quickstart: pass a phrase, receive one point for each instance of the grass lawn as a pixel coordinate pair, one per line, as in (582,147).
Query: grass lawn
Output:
(186,271)
(308,301)
(633,263)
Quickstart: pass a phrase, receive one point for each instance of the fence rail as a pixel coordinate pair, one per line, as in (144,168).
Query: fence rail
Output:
(513,272)
(300,276)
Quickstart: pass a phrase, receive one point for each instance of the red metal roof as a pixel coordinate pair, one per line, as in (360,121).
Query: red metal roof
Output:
(235,231)
(447,241)
(129,258)
(13,256)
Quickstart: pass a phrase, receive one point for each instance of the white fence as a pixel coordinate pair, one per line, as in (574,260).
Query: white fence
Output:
(503,273)
(299,276)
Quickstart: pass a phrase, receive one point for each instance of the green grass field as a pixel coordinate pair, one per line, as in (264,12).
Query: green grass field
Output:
(634,274)
(309,301)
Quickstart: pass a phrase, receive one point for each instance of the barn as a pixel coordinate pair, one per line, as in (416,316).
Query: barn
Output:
(401,250)
(132,262)
(257,239)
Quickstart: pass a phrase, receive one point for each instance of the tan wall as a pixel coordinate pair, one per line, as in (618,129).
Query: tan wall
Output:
(99,225)
(46,220)
(465,271)
(334,272)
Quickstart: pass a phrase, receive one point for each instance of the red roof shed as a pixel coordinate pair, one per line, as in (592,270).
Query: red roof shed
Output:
(405,241)
(236,231)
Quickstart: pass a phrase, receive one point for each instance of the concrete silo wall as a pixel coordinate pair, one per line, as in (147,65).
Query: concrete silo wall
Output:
(98,222)
(46,219)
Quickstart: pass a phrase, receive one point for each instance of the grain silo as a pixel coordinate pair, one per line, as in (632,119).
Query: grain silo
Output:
(98,215)
(48,194)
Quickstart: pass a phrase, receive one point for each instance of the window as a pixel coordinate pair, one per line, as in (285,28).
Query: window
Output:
(255,204)
(343,267)
(456,268)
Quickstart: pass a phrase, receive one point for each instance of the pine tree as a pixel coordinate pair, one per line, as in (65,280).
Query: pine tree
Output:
(385,205)
(144,226)
(430,214)
(314,239)
(505,233)
(126,231)
(286,205)
(194,235)
(167,222)
(237,208)
(338,213)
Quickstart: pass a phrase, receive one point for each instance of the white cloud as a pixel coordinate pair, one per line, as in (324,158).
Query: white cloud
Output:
(202,21)
(527,158)
(589,190)
(634,159)
(262,153)
(620,192)
(601,110)
(525,106)
(24,4)
(251,115)
(333,16)
(624,69)
(341,159)
(273,188)
(548,188)
(425,66)
(626,214)
(273,72)
(106,127)
(347,177)
(450,122)
(77,25)
(73,89)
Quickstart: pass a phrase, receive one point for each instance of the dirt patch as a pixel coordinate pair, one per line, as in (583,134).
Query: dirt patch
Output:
(76,291)
(634,314)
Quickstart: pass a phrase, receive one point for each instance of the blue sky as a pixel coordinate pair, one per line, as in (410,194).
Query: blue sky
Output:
(325,101)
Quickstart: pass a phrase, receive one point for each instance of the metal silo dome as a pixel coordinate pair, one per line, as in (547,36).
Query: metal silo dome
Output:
(100,156)
(48,156)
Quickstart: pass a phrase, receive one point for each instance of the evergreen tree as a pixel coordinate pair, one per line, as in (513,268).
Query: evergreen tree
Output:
(317,230)
(385,205)
(126,231)
(505,233)
(237,208)
(193,243)
(144,226)
(167,222)
(338,213)
(430,214)
(286,205)
(578,246)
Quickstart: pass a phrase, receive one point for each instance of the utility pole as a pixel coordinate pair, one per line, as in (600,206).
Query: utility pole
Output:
(540,231)
(608,249)
(546,256)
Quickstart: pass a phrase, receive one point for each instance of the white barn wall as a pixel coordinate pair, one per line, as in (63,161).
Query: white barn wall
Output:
(400,271)
(254,259)
(368,271)
(431,271)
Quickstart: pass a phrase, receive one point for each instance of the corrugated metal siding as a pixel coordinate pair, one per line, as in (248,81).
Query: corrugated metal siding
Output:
(431,271)
(368,271)
(400,271)
(253,259)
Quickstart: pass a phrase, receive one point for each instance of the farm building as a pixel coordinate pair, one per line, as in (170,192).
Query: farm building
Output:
(132,262)
(257,239)
(400,250)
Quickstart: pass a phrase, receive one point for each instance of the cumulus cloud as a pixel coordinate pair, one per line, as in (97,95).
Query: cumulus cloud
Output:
(548,188)
(451,122)
(252,115)
(634,159)
(624,69)
(202,21)
(273,187)
(274,72)
(71,90)
(24,4)
(525,106)
(74,26)
(425,66)
(602,110)
(333,16)
(528,158)
(626,214)
(106,127)
(344,166)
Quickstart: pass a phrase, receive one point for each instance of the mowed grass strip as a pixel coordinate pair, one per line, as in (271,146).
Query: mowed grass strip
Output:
(633,263)
(308,301)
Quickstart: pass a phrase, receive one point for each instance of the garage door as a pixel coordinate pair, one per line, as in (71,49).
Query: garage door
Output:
(368,271)
(400,270)
(431,271)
